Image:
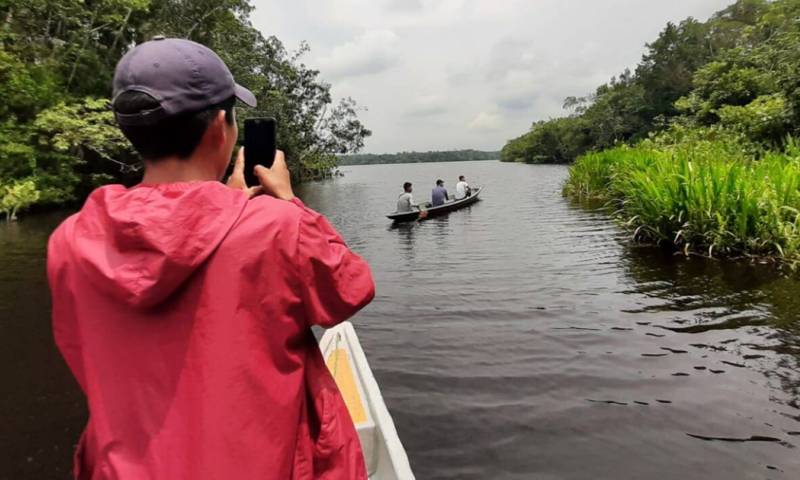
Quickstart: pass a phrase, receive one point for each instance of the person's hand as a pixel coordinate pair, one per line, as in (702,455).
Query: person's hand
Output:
(276,181)
(236,180)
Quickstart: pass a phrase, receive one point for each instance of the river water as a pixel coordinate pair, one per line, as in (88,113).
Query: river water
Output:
(520,338)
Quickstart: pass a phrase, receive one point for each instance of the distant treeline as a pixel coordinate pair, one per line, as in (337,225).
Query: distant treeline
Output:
(417,157)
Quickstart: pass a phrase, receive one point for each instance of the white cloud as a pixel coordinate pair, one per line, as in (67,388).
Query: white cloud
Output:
(404,5)
(486,122)
(440,74)
(428,105)
(517,89)
(370,53)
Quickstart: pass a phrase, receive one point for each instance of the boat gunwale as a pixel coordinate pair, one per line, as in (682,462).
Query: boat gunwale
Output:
(375,404)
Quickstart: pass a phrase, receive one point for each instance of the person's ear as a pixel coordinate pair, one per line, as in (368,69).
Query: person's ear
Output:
(216,133)
(219,129)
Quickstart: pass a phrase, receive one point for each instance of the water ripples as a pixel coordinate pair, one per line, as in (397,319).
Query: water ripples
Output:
(526,338)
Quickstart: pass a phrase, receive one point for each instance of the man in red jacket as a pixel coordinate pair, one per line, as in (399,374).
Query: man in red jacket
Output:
(183,306)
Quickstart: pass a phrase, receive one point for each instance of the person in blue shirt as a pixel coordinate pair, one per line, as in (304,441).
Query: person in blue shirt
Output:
(439,194)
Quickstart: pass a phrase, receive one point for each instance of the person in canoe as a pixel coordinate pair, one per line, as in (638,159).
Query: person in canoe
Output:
(405,202)
(462,188)
(439,194)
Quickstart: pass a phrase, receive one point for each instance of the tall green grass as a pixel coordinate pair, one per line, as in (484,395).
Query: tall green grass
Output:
(710,197)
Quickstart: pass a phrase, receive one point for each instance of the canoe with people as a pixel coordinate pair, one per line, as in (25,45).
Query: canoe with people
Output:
(441,202)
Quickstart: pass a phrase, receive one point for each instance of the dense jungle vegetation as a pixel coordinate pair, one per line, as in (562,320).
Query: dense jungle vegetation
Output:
(58,139)
(738,74)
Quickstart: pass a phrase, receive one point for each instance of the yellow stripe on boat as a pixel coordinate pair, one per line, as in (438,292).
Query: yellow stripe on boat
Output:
(339,365)
(384,455)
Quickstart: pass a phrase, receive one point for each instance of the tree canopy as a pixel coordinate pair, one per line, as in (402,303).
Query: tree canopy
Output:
(57,59)
(739,71)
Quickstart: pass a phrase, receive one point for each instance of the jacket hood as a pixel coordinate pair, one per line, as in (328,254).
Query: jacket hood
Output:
(139,245)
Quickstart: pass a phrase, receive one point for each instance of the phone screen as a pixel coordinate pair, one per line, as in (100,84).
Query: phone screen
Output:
(259,146)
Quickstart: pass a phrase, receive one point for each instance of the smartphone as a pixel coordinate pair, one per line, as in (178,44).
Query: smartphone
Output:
(260,136)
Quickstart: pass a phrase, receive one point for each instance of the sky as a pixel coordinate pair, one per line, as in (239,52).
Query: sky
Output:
(455,74)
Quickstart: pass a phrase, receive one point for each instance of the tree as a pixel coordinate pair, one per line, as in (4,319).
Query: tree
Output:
(738,71)
(81,149)
(57,60)
(558,140)
(667,68)
(17,196)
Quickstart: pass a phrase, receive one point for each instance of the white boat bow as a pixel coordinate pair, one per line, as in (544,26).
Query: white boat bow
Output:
(384,454)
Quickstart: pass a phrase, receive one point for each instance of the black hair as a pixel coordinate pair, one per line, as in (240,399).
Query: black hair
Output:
(178,135)
(440,182)
(461,177)
(406,186)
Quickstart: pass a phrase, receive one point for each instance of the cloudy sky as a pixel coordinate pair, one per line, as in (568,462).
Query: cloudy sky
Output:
(451,74)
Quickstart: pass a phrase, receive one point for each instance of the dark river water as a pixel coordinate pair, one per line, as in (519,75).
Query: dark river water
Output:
(521,338)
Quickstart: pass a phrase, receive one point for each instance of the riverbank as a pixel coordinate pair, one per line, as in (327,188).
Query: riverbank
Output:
(711,198)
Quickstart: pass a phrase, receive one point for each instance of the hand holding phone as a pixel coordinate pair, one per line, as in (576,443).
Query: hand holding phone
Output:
(260,145)
(276,181)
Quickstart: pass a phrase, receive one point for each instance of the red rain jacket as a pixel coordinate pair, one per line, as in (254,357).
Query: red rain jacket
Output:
(183,310)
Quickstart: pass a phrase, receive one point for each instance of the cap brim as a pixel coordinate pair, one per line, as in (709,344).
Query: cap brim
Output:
(245,95)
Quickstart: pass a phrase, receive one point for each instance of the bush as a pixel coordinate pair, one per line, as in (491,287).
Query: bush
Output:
(17,196)
(766,119)
(711,198)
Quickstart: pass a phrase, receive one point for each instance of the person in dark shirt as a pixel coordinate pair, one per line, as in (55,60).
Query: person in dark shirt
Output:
(439,194)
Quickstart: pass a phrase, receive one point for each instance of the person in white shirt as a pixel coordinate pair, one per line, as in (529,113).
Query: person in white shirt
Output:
(462,188)
(405,203)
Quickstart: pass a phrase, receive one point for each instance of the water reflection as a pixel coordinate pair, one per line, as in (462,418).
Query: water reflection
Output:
(41,408)
(405,237)
(743,311)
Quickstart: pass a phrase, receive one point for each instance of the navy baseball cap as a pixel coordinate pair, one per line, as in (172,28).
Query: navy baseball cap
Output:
(181,75)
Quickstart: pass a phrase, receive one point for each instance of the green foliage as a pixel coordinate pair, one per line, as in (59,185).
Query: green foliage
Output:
(17,196)
(81,148)
(417,157)
(57,59)
(26,88)
(740,70)
(73,42)
(616,114)
(699,195)
(765,119)
(666,70)
(733,82)
(17,155)
(78,127)
(555,141)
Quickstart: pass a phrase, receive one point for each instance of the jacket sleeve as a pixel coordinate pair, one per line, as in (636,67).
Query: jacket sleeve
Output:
(335,283)
(65,326)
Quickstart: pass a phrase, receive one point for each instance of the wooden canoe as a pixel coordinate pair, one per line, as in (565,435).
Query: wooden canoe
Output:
(426,211)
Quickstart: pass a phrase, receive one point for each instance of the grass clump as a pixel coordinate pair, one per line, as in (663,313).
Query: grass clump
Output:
(710,196)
